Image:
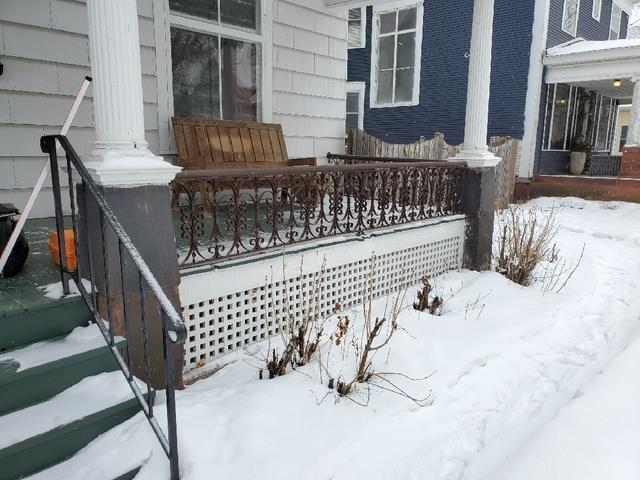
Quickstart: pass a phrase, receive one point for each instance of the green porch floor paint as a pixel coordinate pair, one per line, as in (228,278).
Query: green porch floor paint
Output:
(129,475)
(42,451)
(27,387)
(42,322)
(23,291)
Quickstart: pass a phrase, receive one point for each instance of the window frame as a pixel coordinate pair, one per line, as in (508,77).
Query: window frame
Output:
(564,13)
(614,5)
(597,121)
(570,121)
(378,10)
(164,19)
(617,132)
(596,14)
(358,87)
(363,28)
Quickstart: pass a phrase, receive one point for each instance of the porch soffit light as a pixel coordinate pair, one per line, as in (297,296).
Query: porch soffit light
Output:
(617,82)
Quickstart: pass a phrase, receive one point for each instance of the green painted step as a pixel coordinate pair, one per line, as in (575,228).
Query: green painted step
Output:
(129,475)
(49,321)
(32,385)
(38,453)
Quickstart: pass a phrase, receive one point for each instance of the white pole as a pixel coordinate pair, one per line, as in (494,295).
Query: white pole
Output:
(43,176)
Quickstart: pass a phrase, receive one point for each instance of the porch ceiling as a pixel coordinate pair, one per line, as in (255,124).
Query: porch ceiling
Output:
(595,63)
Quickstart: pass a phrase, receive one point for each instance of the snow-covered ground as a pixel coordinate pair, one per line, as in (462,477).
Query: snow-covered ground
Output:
(515,387)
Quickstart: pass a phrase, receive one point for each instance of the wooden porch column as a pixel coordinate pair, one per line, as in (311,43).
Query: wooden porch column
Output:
(134,182)
(630,164)
(474,150)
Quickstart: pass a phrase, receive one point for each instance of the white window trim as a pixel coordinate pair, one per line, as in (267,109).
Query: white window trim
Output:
(373,90)
(363,29)
(564,11)
(596,13)
(615,5)
(615,143)
(360,88)
(597,132)
(164,19)
(569,121)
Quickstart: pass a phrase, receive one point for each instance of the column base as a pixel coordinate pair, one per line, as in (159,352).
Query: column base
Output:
(478,158)
(630,164)
(130,168)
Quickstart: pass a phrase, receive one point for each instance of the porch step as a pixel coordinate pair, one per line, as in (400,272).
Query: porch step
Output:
(39,371)
(47,433)
(49,321)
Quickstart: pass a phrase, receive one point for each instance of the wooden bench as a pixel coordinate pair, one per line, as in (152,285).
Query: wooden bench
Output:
(208,144)
(205,144)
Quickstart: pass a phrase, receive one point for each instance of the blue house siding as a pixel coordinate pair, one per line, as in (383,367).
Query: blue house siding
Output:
(588,27)
(444,69)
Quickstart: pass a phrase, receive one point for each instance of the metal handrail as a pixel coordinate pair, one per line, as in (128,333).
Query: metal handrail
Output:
(174,330)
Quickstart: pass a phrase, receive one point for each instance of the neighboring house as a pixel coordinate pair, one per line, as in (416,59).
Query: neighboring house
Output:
(280,61)
(408,77)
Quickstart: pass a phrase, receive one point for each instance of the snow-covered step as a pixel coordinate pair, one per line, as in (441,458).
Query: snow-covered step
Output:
(36,372)
(44,434)
(37,324)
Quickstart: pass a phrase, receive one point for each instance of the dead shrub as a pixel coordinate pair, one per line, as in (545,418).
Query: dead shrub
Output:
(300,334)
(425,301)
(525,240)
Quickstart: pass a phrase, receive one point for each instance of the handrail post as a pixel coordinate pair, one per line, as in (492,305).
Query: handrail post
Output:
(50,147)
(170,392)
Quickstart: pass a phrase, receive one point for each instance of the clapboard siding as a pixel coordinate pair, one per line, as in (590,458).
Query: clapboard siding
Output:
(443,80)
(588,27)
(309,73)
(45,53)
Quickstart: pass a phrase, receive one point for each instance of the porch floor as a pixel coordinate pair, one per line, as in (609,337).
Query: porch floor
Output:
(25,291)
(582,186)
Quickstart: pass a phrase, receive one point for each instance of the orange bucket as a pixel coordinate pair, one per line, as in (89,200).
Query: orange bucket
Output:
(69,248)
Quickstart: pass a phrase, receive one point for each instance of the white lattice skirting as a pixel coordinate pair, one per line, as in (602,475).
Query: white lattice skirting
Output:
(236,303)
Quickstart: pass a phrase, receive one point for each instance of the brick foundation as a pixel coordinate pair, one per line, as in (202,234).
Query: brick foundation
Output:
(630,165)
(590,188)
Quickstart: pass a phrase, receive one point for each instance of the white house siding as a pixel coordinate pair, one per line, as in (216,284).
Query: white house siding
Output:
(309,76)
(44,50)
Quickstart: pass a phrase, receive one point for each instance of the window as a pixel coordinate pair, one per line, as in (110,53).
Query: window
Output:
(602,124)
(397,40)
(355,105)
(559,117)
(357,28)
(215,58)
(616,18)
(596,10)
(570,14)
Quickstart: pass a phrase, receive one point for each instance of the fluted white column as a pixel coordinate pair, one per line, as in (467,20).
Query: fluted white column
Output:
(633,136)
(120,156)
(475,151)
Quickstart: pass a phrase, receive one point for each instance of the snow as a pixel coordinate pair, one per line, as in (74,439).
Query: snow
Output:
(583,46)
(81,339)
(55,290)
(90,395)
(508,363)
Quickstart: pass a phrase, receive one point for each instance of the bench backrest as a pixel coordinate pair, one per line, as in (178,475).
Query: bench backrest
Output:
(205,143)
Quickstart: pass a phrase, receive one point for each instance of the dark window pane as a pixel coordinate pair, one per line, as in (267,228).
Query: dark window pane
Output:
(623,137)
(352,102)
(406,50)
(385,87)
(548,114)
(385,52)
(388,22)
(603,125)
(240,13)
(404,85)
(195,74)
(198,8)
(560,111)
(407,19)
(355,25)
(352,120)
(239,80)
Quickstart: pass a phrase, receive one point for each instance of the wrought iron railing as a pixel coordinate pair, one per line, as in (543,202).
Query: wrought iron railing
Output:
(603,165)
(134,281)
(230,213)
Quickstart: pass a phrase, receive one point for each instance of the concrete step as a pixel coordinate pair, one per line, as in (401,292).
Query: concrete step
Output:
(39,371)
(37,437)
(45,322)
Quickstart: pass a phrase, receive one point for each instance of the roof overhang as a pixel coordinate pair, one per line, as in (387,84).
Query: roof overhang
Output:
(346,4)
(581,61)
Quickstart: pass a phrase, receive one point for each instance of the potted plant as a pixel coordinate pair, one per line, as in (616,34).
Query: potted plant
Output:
(579,150)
